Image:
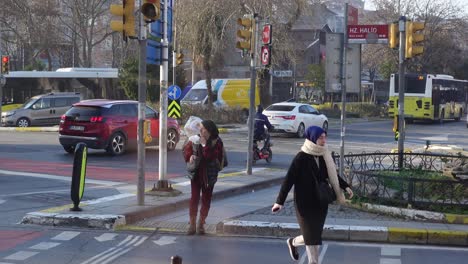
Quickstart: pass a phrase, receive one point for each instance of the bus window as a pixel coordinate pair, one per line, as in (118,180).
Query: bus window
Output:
(415,84)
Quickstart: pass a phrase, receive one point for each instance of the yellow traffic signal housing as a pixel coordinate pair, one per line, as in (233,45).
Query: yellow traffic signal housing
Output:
(246,34)
(414,36)
(179,58)
(5,64)
(127,24)
(151,10)
(393,36)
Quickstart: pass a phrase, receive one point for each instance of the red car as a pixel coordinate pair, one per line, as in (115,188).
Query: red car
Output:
(110,125)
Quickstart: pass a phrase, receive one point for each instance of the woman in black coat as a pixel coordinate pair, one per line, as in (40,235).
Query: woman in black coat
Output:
(313,164)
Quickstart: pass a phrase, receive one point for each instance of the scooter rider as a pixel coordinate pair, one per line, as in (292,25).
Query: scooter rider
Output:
(261,121)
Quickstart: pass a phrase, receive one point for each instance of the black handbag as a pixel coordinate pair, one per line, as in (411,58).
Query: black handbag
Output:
(326,193)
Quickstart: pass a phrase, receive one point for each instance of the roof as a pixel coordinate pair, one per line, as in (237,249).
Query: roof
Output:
(103,102)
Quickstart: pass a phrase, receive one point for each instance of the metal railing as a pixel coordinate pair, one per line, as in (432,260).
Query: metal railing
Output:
(372,179)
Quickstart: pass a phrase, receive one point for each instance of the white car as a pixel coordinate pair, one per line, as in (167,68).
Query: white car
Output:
(294,118)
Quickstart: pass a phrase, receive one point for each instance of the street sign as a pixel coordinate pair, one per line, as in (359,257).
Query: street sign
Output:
(352,15)
(266,55)
(173,109)
(363,34)
(266,34)
(174,92)
(287,73)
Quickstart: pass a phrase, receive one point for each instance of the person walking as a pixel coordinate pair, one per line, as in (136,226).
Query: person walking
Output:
(209,152)
(312,165)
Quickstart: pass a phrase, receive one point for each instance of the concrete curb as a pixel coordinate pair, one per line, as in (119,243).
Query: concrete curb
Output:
(30,129)
(107,221)
(418,215)
(348,233)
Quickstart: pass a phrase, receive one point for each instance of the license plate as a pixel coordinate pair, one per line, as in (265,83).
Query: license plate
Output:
(77,128)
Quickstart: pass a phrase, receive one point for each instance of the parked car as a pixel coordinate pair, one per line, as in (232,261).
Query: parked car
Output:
(41,110)
(289,117)
(111,125)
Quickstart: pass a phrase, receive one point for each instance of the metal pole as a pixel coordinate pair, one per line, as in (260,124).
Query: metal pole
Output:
(174,49)
(343,88)
(162,182)
(1,74)
(401,91)
(193,67)
(141,112)
(253,63)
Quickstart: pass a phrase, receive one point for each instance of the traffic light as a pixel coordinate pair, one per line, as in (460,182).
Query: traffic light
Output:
(393,36)
(414,36)
(246,34)
(5,64)
(179,58)
(127,23)
(151,10)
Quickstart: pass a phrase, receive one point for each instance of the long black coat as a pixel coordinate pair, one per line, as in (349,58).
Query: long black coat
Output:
(310,214)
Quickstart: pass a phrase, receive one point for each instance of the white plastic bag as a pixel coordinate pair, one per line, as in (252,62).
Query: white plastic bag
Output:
(192,127)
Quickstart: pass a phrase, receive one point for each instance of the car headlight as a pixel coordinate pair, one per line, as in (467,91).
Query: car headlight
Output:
(7,114)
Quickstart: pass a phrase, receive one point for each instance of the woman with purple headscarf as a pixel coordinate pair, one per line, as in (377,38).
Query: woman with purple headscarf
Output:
(312,165)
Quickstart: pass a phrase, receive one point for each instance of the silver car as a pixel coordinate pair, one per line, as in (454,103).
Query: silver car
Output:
(41,110)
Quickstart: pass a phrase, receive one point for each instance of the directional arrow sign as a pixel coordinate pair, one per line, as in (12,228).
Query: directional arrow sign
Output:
(173,108)
(105,237)
(165,240)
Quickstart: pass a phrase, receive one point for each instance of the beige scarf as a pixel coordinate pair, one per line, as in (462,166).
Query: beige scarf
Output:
(313,149)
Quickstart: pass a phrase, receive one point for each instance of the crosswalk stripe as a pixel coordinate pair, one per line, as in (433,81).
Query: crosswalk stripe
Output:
(66,235)
(129,243)
(21,255)
(44,245)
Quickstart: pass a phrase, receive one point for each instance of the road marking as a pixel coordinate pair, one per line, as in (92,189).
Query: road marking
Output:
(391,251)
(165,240)
(21,255)
(57,177)
(66,235)
(44,245)
(322,252)
(108,198)
(2,201)
(129,243)
(390,261)
(105,237)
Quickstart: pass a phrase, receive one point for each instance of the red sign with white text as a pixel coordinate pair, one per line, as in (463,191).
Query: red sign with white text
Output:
(352,15)
(362,31)
(266,34)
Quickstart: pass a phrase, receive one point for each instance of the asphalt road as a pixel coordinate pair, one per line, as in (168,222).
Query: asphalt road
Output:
(94,247)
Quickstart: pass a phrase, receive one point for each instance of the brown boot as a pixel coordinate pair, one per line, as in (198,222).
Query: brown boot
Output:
(192,227)
(201,227)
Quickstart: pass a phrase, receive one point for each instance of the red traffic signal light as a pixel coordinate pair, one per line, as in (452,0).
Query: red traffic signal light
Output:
(5,65)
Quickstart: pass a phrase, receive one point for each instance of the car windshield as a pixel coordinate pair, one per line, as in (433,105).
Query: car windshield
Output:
(29,103)
(282,108)
(196,95)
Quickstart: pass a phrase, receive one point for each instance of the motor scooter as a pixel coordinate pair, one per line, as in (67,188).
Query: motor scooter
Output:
(264,153)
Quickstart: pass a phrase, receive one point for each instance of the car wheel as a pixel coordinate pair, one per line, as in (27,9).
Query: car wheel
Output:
(69,148)
(117,144)
(172,139)
(300,131)
(23,122)
(325,126)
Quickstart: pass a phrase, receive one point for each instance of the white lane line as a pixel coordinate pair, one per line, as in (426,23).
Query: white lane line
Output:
(108,198)
(322,252)
(390,251)
(303,258)
(129,243)
(21,255)
(2,201)
(57,177)
(363,244)
(105,237)
(5,263)
(390,261)
(44,245)
(66,235)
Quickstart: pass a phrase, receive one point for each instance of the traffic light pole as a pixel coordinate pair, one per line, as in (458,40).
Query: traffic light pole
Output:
(162,184)
(141,112)
(343,90)
(401,91)
(2,78)
(253,63)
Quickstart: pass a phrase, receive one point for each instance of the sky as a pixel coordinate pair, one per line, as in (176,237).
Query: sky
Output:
(369,5)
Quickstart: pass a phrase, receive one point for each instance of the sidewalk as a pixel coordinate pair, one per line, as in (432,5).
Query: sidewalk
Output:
(241,207)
